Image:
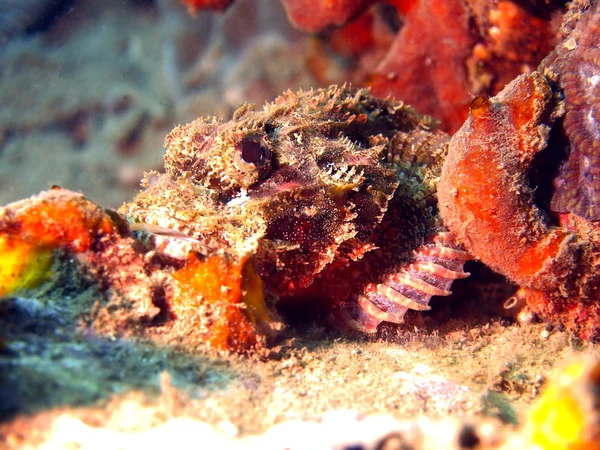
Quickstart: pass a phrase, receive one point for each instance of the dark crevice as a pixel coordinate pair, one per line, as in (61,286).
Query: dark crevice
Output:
(545,168)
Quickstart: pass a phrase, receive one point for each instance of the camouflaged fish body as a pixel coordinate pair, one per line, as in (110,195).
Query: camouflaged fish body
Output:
(333,192)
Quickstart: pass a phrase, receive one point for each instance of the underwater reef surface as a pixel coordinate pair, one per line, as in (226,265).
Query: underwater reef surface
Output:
(218,304)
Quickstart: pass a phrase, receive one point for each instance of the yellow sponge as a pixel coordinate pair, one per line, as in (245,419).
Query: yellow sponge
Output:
(567,416)
(22,265)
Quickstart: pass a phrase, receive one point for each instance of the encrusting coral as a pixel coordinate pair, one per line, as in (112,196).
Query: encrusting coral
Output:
(485,194)
(61,238)
(231,290)
(60,230)
(31,231)
(442,53)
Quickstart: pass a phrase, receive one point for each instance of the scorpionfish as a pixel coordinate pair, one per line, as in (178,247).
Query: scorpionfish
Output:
(331,192)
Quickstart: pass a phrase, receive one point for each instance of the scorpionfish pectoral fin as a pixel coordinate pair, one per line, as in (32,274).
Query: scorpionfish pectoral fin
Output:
(430,272)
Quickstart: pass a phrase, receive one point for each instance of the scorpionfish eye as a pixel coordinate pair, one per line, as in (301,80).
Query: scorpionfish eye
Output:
(254,150)
(253,159)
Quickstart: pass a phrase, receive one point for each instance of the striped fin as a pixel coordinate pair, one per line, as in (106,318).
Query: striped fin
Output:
(430,272)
